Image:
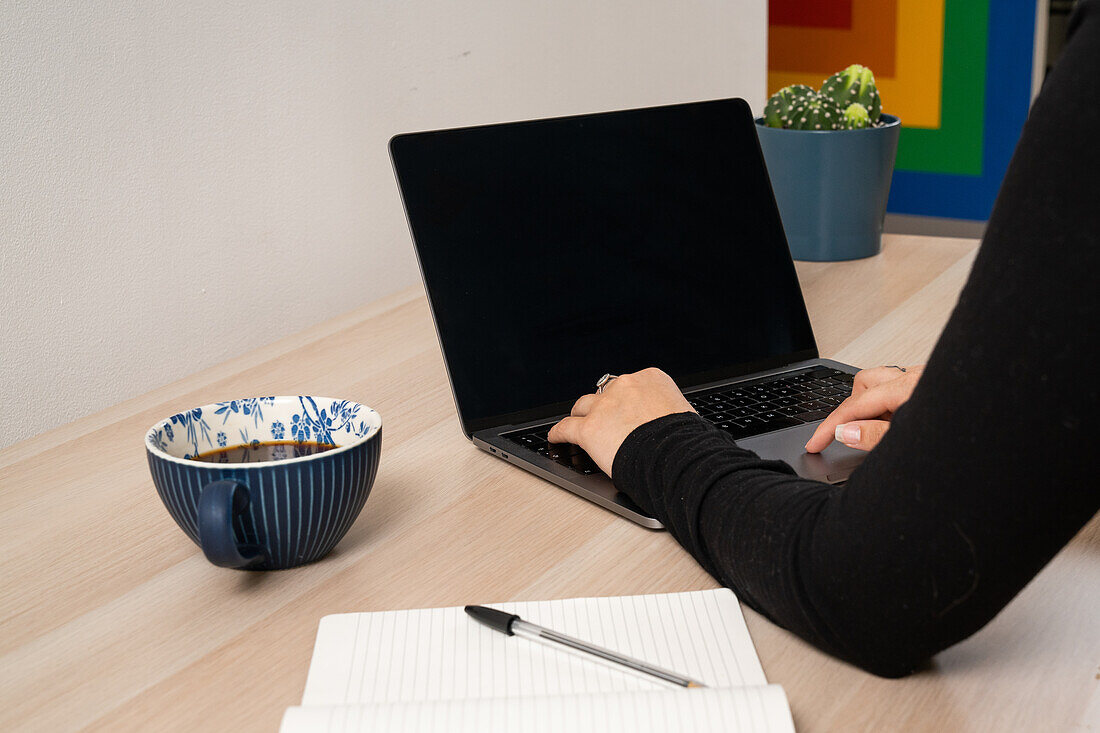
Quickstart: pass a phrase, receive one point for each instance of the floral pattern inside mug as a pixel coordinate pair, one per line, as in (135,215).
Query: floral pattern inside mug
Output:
(255,420)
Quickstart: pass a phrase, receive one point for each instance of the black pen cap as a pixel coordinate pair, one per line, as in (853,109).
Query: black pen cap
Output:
(493,618)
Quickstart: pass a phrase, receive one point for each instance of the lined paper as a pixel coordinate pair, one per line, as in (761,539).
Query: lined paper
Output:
(668,711)
(443,655)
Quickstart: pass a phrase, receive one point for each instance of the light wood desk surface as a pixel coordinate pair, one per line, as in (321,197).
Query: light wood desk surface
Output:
(110,617)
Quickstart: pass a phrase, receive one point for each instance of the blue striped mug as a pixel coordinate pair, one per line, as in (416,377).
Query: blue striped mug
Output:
(286,510)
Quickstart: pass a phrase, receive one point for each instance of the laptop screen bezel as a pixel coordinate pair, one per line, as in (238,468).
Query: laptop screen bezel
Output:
(742,118)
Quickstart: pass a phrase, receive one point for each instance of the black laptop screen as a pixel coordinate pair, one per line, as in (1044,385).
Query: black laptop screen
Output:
(554,251)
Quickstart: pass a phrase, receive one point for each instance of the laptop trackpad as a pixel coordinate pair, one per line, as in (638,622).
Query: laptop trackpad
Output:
(832,465)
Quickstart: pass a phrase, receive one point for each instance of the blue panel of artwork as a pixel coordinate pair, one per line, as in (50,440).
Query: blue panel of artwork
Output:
(1007,99)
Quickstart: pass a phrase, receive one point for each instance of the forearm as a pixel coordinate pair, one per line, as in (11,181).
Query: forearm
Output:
(690,474)
(749,522)
(883,572)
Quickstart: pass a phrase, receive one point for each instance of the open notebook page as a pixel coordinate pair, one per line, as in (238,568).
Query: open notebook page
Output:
(666,711)
(442,654)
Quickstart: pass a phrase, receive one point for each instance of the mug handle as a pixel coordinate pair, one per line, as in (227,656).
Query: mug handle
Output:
(219,503)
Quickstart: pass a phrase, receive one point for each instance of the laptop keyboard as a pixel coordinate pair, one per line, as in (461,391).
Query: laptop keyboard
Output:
(742,410)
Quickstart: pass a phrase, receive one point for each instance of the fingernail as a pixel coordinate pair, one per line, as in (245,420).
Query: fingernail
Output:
(847,433)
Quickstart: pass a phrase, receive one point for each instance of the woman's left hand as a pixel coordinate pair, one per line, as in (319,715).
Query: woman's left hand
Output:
(599,423)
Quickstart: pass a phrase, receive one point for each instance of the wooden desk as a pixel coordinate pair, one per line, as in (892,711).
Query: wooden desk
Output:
(111,618)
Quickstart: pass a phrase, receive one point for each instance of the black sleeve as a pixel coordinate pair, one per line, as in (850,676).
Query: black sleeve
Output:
(987,471)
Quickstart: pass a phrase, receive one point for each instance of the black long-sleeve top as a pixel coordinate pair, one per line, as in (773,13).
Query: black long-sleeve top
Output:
(987,471)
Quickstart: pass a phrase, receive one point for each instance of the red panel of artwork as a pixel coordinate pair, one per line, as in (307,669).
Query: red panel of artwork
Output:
(811,13)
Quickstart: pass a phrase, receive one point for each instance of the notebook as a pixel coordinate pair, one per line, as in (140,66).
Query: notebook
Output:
(437,669)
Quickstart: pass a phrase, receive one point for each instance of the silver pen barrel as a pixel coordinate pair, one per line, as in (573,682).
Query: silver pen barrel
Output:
(535,632)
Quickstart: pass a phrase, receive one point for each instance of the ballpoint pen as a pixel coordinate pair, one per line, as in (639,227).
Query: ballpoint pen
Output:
(513,625)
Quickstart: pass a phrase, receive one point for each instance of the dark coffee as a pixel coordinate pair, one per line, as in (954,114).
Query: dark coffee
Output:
(256,451)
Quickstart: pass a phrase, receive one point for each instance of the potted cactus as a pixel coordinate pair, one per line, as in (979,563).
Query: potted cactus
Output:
(830,155)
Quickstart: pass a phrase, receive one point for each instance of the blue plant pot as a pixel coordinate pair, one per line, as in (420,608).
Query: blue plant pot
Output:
(831,187)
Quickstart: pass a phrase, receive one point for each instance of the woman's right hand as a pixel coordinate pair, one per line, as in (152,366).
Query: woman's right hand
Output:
(861,420)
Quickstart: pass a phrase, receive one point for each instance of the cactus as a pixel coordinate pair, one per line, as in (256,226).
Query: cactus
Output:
(856,84)
(777,113)
(855,117)
(816,112)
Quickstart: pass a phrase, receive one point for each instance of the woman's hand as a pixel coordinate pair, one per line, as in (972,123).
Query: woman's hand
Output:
(599,423)
(861,420)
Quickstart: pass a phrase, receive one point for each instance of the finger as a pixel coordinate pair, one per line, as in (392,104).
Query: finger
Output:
(867,378)
(566,431)
(870,403)
(821,438)
(583,405)
(861,434)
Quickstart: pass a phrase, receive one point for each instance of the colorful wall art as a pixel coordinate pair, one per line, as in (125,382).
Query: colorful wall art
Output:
(957,72)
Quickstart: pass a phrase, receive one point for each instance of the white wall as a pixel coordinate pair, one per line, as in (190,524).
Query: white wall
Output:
(183,181)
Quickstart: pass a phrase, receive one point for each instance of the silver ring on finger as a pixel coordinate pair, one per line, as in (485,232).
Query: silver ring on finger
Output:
(604,381)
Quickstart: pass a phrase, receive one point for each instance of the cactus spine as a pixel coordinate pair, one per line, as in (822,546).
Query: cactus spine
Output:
(854,85)
(777,113)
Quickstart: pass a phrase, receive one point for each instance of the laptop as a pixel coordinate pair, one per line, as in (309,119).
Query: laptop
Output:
(554,251)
